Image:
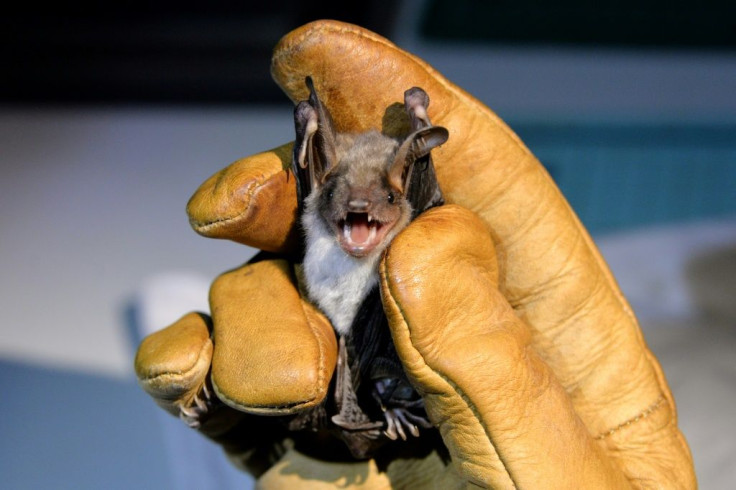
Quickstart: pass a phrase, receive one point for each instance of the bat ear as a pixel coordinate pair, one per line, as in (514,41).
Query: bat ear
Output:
(314,147)
(415,147)
(305,125)
(416,102)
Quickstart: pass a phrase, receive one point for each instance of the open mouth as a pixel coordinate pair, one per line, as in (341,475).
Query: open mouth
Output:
(359,233)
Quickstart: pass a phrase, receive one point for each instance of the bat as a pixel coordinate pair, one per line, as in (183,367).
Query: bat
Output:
(356,192)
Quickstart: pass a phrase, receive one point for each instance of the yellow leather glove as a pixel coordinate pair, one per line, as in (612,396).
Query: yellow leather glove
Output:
(506,318)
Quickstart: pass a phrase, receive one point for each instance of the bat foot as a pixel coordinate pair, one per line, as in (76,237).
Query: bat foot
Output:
(399,421)
(200,406)
(361,437)
(368,428)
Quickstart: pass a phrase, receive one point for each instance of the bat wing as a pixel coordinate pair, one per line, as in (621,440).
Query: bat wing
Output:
(357,430)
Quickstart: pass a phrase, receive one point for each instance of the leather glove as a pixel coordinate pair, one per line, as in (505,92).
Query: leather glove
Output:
(507,320)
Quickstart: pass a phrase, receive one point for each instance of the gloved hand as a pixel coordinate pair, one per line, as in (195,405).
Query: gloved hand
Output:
(506,318)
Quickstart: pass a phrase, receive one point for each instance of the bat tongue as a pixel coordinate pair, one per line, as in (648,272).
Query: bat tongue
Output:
(360,229)
(361,235)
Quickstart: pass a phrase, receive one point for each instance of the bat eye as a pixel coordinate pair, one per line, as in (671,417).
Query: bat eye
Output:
(330,195)
(391,198)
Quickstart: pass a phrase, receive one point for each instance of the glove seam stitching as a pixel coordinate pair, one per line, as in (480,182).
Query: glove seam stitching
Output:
(311,397)
(179,373)
(453,385)
(250,191)
(321,362)
(651,409)
(287,408)
(478,417)
(287,49)
(281,409)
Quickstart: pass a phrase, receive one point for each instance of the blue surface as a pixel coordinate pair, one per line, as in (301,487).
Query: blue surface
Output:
(65,430)
(629,175)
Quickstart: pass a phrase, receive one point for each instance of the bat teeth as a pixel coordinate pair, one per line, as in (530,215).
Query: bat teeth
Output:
(370,218)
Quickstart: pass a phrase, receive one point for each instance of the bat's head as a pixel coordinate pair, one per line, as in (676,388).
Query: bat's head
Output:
(356,198)
(356,184)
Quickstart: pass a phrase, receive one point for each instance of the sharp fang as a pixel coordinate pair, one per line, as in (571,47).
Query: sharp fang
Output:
(372,235)
(346,230)
(370,218)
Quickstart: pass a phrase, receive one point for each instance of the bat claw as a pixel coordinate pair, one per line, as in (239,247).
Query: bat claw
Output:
(390,428)
(399,421)
(400,428)
(206,392)
(192,415)
(200,403)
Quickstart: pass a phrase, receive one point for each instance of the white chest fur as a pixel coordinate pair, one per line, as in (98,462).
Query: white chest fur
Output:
(337,282)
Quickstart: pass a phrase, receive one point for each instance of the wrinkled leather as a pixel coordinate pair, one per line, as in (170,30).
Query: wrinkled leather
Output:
(172,364)
(275,352)
(252,201)
(506,317)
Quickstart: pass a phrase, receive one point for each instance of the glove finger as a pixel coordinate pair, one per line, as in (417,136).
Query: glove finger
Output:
(252,201)
(274,352)
(172,364)
(502,413)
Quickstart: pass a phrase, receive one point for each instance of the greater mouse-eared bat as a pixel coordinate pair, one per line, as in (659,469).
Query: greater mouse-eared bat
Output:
(356,192)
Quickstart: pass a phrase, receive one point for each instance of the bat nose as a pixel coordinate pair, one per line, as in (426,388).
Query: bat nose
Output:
(358,205)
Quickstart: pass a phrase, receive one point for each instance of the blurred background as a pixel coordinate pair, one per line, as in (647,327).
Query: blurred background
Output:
(113,113)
